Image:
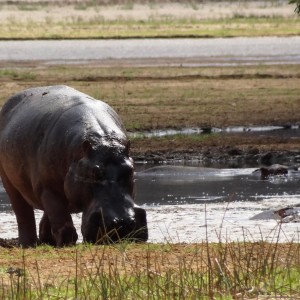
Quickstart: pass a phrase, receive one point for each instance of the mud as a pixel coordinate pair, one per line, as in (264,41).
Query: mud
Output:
(221,157)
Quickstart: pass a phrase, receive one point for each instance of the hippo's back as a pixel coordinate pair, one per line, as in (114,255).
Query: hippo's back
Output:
(40,125)
(43,108)
(48,104)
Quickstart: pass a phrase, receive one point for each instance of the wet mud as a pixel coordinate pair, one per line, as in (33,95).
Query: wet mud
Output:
(231,147)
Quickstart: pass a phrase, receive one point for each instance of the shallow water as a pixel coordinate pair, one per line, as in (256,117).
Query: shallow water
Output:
(291,131)
(195,204)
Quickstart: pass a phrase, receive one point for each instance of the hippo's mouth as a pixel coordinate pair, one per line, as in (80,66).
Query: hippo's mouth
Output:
(99,230)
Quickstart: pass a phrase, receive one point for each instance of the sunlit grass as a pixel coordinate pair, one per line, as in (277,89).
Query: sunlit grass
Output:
(166,26)
(17,75)
(203,270)
(176,97)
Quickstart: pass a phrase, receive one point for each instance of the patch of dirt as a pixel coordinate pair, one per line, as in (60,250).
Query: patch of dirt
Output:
(8,243)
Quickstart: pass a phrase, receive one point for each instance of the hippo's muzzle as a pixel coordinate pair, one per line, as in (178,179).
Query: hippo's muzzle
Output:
(103,228)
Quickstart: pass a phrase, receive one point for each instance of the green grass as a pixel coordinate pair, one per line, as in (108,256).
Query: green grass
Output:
(30,7)
(17,75)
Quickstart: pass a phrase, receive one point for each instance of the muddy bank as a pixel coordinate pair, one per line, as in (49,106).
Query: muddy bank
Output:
(8,243)
(247,148)
(217,152)
(231,156)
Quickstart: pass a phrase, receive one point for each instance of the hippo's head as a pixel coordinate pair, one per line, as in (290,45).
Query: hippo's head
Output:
(101,185)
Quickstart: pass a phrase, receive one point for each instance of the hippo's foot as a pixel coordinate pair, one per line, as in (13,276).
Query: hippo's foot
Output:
(27,232)
(57,222)
(66,236)
(45,233)
(27,243)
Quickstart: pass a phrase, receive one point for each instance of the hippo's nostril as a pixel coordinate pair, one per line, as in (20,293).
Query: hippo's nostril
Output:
(104,229)
(115,220)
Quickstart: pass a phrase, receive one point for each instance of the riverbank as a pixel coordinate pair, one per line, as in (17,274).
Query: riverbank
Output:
(162,97)
(235,151)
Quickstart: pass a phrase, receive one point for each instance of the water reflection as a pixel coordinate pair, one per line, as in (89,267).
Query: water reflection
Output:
(191,206)
(211,186)
(4,201)
(287,131)
(193,185)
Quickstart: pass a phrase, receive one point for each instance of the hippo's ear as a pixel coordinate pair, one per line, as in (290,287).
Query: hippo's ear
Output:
(87,147)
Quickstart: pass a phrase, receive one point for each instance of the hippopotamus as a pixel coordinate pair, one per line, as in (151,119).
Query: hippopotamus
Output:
(64,152)
(273,170)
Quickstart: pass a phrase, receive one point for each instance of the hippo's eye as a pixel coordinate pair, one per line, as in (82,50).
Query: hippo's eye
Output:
(97,173)
(126,175)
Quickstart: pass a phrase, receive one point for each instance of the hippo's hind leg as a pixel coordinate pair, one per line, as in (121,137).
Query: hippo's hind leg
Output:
(24,214)
(45,233)
(59,219)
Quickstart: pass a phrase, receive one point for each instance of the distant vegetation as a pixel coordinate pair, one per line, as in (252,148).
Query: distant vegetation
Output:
(89,19)
(297,2)
(122,2)
(110,2)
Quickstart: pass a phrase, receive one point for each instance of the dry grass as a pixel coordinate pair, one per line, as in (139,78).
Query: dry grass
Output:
(149,98)
(126,271)
(169,97)
(127,19)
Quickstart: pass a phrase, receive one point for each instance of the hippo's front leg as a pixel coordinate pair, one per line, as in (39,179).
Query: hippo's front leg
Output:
(45,232)
(59,218)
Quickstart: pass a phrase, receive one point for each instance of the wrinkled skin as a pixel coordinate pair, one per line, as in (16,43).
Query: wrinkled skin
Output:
(64,152)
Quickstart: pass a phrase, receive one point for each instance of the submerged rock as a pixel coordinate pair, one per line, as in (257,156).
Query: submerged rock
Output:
(289,214)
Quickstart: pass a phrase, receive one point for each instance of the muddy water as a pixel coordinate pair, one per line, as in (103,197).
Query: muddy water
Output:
(194,204)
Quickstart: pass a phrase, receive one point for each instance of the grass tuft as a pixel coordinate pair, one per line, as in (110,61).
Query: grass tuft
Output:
(172,271)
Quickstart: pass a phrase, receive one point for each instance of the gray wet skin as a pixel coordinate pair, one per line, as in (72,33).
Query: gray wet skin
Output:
(64,152)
